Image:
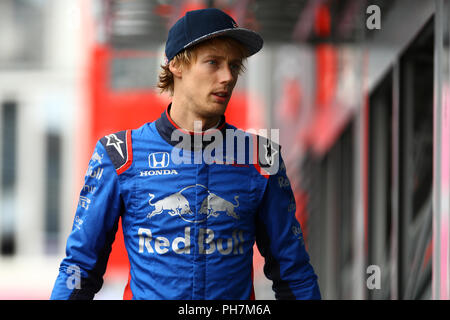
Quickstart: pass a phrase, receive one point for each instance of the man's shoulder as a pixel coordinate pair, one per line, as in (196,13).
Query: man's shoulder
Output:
(119,146)
(119,149)
(264,144)
(125,136)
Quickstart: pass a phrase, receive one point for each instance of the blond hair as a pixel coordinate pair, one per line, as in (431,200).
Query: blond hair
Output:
(188,56)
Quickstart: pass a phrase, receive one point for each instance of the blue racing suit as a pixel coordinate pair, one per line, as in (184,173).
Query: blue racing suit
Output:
(189,228)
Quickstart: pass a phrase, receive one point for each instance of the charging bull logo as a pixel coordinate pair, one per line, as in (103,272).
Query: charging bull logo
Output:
(177,205)
(213,205)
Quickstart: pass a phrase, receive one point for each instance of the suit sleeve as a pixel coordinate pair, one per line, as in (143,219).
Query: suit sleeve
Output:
(279,239)
(93,232)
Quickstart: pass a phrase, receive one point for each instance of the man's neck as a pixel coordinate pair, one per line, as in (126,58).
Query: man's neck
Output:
(190,121)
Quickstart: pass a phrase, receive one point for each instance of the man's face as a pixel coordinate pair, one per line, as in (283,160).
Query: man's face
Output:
(205,86)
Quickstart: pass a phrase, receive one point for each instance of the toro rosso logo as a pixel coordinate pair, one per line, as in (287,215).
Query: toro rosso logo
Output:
(177,204)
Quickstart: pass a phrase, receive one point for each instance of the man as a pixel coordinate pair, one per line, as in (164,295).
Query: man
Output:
(189,226)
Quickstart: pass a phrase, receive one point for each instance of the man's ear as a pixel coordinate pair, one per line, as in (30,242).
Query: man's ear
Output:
(175,68)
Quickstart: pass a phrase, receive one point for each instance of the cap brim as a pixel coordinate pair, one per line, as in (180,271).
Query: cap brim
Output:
(250,39)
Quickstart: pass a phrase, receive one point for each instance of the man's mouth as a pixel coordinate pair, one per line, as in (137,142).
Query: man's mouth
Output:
(221,96)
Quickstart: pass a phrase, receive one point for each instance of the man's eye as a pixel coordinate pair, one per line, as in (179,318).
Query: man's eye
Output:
(235,66)
(212,62)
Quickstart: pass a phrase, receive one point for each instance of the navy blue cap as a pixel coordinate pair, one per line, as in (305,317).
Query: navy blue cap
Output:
(200,25)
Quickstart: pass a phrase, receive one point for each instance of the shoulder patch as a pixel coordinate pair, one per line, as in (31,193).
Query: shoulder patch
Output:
(119,149)
(268,153)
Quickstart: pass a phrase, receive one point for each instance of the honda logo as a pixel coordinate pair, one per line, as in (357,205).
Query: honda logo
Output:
(158,160)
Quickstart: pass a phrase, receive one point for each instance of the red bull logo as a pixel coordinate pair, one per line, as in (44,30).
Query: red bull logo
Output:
(213,205)
(177,205)
(207,244)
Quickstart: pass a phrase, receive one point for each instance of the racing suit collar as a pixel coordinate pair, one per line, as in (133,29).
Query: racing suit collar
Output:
(166,126)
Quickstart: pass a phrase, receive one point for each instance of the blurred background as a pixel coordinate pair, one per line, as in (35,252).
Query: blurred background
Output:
(358,88)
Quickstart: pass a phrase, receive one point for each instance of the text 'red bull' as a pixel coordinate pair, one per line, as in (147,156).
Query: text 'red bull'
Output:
(182,245)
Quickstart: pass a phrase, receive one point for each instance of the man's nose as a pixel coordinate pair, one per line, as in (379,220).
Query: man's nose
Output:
(226,74)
